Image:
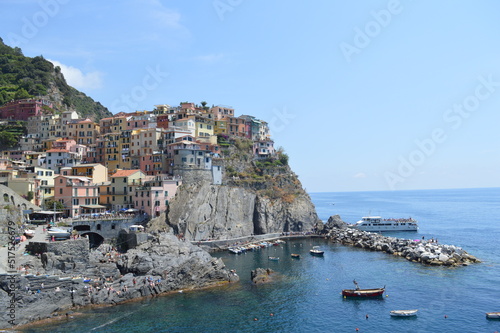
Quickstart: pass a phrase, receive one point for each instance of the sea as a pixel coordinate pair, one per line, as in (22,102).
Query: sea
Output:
(305,295)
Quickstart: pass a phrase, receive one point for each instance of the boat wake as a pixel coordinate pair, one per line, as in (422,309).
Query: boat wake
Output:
(114,320)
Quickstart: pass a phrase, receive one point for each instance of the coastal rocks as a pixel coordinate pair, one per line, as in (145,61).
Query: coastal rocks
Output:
(180,263)
(425,252)
(105,277)
(261,275)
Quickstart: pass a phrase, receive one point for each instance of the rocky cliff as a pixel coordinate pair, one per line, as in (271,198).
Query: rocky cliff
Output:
(204,211)
(256,197)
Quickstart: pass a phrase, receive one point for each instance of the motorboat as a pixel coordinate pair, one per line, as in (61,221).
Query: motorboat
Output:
(363,293)
(316,251)
(377,223)
(58,232)
(295,255)
(404,313)
(493,315)
(273,258)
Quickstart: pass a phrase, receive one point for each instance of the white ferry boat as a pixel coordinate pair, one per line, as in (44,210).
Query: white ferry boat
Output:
(376,223)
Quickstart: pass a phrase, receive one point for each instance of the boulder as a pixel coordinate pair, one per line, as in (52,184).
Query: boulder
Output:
(261,275)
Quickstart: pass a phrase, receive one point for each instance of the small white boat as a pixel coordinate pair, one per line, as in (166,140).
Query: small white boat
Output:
(376,223)
(29,233)
(404,313)
(315,251)
(58,233)
(493,315)
(273,258)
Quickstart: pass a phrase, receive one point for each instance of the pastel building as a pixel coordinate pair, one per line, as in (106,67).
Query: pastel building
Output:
(78,194)
(122,187)
(23,109)
(153,196)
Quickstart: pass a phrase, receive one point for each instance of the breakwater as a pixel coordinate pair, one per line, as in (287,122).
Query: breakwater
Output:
(422,251)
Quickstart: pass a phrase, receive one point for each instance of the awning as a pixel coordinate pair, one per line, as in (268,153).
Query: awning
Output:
(46,212)
(92,206)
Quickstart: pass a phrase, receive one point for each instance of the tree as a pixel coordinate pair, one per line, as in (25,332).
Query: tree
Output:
(49,205)
(7,139)
(30,195)
(21,94)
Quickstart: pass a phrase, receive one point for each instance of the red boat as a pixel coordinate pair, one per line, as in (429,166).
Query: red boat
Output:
(362,293)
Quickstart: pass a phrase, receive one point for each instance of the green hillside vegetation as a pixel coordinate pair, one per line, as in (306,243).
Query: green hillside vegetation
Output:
(271,177)
(10,132)
(25,77)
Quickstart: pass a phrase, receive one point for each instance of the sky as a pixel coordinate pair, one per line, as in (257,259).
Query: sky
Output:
(362,95)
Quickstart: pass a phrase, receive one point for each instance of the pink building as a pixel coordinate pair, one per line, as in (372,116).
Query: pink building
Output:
(23,109)
(154,195)
(78,195)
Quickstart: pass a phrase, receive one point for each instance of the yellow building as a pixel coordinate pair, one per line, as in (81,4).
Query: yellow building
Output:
(123,184)
(96,171)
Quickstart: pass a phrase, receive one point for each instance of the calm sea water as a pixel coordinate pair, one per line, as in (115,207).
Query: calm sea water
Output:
(306,297)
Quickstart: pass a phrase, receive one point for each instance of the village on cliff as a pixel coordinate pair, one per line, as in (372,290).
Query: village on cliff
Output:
(128,162)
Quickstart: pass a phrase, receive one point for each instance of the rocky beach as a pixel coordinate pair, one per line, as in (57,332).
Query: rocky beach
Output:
(69,276)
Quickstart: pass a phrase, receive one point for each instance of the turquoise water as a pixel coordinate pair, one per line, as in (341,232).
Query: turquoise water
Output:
(306,296)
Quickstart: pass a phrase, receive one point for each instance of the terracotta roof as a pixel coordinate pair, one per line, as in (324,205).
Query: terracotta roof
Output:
(125,173)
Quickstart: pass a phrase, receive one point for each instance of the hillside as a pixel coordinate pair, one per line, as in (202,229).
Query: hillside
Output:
(24,77)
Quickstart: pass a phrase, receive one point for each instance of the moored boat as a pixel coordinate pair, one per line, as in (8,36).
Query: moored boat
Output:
(29,233)
(363,293)
(295,256)
(377,223)
(404,313)
(58,233)
(316,251)
(273,258)
(493,315)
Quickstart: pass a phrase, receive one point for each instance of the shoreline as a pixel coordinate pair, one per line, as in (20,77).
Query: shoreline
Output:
(75,311)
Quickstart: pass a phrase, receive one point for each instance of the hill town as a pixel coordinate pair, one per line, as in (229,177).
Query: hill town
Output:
(130,161)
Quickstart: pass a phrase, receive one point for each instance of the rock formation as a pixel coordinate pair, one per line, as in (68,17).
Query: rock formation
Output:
(255,197)
(261,275)
(69,275)
(204,211)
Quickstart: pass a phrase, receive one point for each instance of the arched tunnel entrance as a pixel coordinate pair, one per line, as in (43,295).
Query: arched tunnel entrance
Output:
(94,239)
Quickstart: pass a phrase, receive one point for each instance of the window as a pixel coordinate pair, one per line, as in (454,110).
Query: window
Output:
(60,191)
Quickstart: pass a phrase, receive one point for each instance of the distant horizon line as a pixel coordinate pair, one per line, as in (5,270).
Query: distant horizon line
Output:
(411,190)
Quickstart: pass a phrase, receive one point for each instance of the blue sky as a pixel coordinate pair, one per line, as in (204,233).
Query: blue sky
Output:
(373,95)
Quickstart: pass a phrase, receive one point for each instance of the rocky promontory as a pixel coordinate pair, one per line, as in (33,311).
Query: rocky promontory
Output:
(425,252)
(69,276)
(254,197)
